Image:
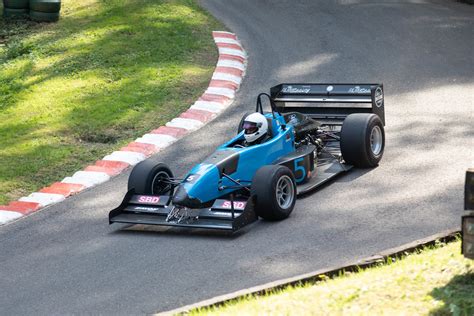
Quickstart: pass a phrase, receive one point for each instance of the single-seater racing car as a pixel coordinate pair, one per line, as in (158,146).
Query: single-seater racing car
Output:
(312,133)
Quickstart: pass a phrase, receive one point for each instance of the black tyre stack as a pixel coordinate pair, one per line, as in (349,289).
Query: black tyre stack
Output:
(45,10)
(15,8)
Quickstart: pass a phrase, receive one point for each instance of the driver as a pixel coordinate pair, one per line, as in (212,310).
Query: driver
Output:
(255,129)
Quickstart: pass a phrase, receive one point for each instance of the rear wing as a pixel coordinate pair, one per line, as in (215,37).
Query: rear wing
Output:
(329,103)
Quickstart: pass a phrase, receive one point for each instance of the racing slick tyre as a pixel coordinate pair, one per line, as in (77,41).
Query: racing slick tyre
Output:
(362,140)
(149,177)
(274,190)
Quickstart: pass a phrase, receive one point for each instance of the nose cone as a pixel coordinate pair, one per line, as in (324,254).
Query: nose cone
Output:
(200,187)
(182,198)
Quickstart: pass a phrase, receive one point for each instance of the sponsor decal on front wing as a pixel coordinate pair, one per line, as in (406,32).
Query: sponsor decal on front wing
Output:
(149,199)
(226,204)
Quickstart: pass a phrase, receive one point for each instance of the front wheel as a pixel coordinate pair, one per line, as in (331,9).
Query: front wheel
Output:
(149,177)
(274,189)
(362,140)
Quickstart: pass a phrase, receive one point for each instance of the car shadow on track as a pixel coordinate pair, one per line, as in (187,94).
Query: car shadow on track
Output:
(349,176)
(177,231)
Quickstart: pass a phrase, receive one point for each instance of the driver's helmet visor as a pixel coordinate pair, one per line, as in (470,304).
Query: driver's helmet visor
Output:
(251,127)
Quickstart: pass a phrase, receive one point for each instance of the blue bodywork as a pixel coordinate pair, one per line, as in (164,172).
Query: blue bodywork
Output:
(205,183)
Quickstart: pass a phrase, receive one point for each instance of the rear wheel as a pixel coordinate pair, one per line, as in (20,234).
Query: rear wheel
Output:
(149,177)
(362,140)
(274,189)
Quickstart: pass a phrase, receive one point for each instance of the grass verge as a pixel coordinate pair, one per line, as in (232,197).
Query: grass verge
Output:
(435,281)
(106,73)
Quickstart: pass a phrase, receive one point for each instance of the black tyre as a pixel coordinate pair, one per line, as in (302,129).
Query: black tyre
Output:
(274,190)
(43,16)
(241,123)
(15,4)
(46,6)
(12,13)
(362,140)
(147,178)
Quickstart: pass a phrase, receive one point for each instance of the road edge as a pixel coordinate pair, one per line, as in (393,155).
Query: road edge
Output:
(315,276)
(225,82)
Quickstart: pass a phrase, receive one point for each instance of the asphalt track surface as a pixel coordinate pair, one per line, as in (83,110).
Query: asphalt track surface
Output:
(66,259)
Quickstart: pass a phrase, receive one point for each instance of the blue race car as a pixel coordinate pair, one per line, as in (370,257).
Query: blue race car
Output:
(313,133)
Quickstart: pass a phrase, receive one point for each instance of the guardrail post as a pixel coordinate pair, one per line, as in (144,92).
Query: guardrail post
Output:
(467,224)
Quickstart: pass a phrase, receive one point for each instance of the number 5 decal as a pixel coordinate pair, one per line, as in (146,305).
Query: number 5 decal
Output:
(192,178)
(299,167)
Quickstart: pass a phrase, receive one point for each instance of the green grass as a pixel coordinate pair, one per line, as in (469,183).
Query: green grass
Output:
(436,281)
(106,73)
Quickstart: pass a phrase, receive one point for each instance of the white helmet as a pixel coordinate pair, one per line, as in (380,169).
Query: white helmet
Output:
(255,127)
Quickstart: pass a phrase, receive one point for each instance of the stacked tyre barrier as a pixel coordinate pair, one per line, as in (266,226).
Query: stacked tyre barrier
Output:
(15,8)
(38,10)
(45,10)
